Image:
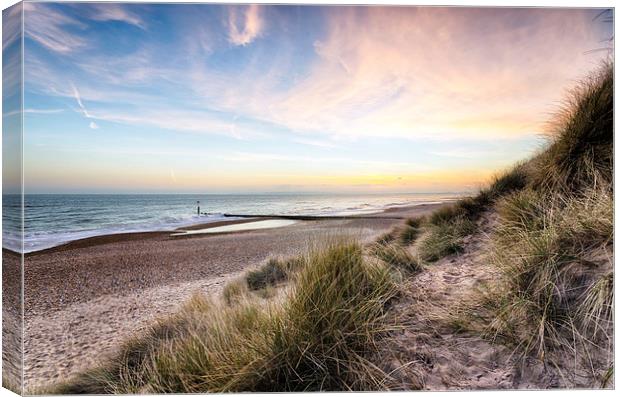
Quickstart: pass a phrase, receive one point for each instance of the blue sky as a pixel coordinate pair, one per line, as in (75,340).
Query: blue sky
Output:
(215,98)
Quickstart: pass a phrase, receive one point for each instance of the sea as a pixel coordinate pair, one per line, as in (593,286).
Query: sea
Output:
(54,219)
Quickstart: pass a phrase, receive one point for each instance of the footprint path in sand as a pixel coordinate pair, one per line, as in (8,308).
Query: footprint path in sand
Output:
(430,353)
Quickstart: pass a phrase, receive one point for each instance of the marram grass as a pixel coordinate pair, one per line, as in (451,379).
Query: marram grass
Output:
(554,243)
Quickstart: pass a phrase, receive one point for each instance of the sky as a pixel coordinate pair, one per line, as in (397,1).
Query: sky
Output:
(130,98)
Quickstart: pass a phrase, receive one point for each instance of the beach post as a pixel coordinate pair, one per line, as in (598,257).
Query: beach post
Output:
(198,210)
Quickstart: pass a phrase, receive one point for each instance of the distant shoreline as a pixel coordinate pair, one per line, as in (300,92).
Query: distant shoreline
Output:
(386,213)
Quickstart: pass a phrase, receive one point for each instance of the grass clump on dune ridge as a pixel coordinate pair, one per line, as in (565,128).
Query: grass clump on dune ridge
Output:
(397,256)
(442,233)
(391,248)
(445,238)
(414,222)
(581,150)
(317,339)
(387,238)
(471,208)
(408,235)
(554,243)
(410,231)
(446,228)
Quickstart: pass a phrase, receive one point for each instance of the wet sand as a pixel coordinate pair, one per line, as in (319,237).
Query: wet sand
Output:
(84,298)
(238,227)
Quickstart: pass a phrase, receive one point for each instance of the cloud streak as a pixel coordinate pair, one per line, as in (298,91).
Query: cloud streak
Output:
(51,28)
(76,94)
(33,111)
(245,24)
(78,99)
(48,27)
(115,12)
(11,25)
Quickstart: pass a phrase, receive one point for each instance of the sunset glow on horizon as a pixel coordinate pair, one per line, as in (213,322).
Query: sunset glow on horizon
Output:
(232,99)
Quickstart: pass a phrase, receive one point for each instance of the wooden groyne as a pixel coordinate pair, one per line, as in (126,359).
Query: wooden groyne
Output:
(315,217)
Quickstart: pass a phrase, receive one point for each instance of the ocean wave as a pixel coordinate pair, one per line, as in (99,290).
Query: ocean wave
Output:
(40,240)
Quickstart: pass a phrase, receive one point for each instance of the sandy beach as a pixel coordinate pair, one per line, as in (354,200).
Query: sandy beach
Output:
(85,297)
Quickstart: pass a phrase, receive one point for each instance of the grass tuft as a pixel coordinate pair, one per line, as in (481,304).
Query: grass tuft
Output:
(414,222)
(387,238)
(397,256)
(408,235)
(581,150)
(235,291)
(471,208)
(595,313)
(332,321)
(445,238)
(514,180)
(273,272)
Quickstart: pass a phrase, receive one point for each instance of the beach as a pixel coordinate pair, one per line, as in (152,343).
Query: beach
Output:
(84,298)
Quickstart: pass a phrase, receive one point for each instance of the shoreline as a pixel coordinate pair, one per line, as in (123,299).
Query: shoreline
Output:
(246,218)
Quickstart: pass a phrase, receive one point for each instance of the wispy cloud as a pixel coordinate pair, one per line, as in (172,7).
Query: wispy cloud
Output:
(83,110)
(136,108)
(78,99)
(12,72)
(139,67)
(115,12)
(244,24)
(43,111)
(47,27)
(33,111)
(11,25)
(51,28)
(181,120)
